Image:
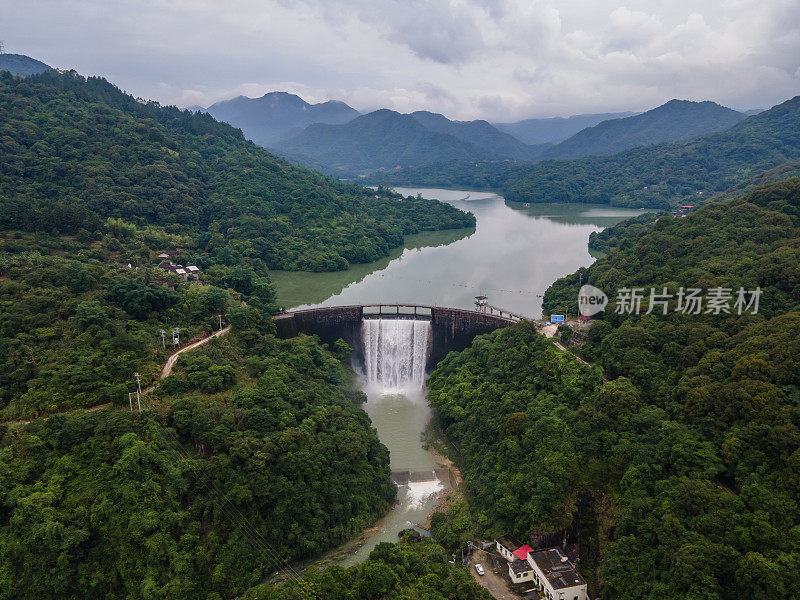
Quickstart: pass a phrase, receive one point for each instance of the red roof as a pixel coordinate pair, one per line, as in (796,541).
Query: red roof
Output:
(522,553)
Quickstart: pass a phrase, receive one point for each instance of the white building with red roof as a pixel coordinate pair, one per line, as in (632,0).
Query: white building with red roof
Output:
(551,571)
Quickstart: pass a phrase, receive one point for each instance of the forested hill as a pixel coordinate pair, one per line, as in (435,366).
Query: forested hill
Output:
(76,151)
(670,173)
(676,120)
(677,477)
(658,176)
(481,133)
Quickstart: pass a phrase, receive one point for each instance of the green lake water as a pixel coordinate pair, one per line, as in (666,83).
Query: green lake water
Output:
(512,256)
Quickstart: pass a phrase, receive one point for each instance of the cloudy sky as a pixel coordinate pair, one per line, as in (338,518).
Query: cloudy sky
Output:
(494,59)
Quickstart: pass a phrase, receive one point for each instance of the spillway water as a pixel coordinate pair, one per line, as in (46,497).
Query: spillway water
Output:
(395,354)
(393,377)
(513,256)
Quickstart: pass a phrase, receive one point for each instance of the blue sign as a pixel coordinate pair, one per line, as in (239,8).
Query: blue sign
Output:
(556,318)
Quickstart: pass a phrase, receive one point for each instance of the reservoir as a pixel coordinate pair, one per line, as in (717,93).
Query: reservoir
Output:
(514,253)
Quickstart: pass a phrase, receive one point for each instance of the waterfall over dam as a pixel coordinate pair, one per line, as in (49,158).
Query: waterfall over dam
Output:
(447,328)
(396,353)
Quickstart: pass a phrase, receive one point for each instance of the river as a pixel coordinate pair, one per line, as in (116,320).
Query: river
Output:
(512,256)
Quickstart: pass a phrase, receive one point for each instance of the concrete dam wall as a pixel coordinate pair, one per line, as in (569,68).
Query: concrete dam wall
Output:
(451,328)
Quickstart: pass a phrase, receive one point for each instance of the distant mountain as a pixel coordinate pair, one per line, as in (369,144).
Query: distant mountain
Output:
(19,64)
(555,129)
(480,133)
(668,173)
(380,139)
(656,176)
(385,139)
(671,122)
(271,117)
(195,108)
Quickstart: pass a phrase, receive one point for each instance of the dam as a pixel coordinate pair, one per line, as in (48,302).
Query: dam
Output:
(394,347)
(450,328)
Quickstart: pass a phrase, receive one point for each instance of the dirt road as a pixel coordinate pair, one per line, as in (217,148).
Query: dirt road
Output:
(165,372)
(173,358)
(493,580)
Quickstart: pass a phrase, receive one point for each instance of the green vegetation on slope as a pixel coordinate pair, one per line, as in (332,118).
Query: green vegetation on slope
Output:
(609,238)
(681,473)
(667,174)
(76,322)
(658,176)
(76,151)
(21,65)
(112,504)
(676,120)
(411,570)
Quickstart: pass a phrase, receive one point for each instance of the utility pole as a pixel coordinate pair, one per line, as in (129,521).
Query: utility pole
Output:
(163,339)
(130,400)
(2,47)
(220,322)
(139,390)
(176,339)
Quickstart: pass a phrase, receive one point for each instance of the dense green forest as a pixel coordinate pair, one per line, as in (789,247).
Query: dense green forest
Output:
(676,120)
(253,443)
(481,175)
(411,570)
(254,448)
(76,151)
(657,176)
(76,321)
(679,475)
(611,237)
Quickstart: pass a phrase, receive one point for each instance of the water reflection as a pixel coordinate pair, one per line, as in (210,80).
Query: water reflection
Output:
(297,288)
(514,254)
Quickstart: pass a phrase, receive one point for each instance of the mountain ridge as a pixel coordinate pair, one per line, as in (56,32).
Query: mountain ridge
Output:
(552,130)
(275,115)
(386,139)
(22,65)
(673,121)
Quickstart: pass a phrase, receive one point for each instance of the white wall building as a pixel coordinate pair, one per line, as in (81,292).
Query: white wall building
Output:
(551,571)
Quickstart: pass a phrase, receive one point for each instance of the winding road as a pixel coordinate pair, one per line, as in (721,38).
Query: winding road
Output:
(166,371)
(173,358)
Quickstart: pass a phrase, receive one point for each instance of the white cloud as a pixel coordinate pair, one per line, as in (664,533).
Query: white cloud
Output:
(494,59)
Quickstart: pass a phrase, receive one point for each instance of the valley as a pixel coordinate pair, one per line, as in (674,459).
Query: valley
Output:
(452,301)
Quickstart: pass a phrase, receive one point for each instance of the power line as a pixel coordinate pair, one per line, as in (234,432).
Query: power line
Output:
(247,529)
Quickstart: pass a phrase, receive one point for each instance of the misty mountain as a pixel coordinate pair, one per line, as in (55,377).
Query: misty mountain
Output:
(385,139)
(19,64)
(480,133)
(656,176)
(671,122)
(271,117)
(671,172)
(555,129)
(380,139)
